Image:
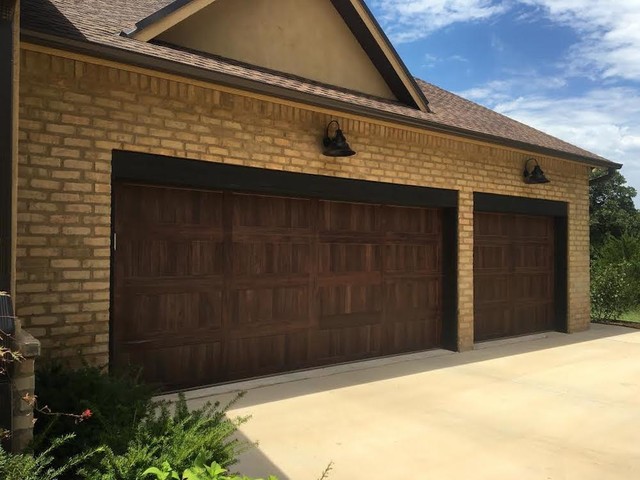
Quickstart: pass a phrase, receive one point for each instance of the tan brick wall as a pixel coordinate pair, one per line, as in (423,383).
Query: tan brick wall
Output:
(74,112)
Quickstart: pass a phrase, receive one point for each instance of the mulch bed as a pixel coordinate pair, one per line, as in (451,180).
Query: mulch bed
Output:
(619,323)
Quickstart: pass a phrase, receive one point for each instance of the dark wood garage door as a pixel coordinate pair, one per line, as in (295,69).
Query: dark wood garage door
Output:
(513,275)
(217,286)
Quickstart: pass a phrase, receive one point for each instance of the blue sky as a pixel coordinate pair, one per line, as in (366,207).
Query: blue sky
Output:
(570,68)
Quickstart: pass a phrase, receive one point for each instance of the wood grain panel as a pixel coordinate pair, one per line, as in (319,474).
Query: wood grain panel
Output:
(513,275)
(259,284)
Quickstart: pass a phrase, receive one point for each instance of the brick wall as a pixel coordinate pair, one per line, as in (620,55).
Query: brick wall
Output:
(74,112)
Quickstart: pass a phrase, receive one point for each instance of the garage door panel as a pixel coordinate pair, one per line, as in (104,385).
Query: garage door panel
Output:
(492,227)
(348,217)
(161,258)
(350,298)
(297,350)
(265,258)
(269,305)
(253,356)
(408,336)
(424,293)
(532,316)
(412,220)
(533,256)
(335,258)
(344,344)
(203,362)
(271,212)
(529,227)
(170,206)
(492,288)
(424,257)
(170,312)
(494,256)
(533,287)
(493,321)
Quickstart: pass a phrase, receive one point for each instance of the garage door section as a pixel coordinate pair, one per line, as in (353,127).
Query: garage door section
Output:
(218,286)
(513,275)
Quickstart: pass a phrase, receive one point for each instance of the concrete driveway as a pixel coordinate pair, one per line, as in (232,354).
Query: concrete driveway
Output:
(552,407)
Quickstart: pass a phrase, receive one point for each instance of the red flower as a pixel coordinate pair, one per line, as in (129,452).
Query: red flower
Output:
(86,414)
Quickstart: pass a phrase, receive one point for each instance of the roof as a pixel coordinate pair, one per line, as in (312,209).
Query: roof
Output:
(95,27)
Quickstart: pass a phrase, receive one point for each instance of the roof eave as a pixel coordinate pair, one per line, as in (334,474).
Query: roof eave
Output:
(171,67)
(159,21)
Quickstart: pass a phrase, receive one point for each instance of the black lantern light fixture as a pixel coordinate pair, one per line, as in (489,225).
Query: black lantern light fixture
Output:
(337,145)
(536,175)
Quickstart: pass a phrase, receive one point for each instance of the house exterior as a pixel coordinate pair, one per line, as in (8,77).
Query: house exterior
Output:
(174,208)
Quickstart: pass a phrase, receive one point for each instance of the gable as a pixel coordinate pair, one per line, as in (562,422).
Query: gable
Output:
(306,38)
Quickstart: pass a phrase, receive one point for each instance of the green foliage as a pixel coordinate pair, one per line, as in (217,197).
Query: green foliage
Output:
(199,471)
(179,438)
(41,466)
(625,249)
(615,277)
(612,211)
(117,403)
(612,292)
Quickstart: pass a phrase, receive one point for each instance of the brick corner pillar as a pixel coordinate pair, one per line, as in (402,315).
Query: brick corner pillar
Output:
(23,384)
(465,271)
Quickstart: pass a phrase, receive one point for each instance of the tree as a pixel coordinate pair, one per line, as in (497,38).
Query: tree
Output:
(611,207)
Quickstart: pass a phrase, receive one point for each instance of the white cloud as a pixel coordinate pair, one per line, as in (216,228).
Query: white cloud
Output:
(610,36)
(410,20)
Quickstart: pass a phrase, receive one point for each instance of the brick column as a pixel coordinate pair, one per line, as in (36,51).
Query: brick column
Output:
(23,383)
(465,270)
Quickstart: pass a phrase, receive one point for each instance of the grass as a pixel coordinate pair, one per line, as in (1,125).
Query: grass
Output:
(632,316)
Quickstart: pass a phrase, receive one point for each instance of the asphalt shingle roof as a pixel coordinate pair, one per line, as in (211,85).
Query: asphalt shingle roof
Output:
(100,23)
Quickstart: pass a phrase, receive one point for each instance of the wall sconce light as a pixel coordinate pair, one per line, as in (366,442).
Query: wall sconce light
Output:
(337,145)
(536,175)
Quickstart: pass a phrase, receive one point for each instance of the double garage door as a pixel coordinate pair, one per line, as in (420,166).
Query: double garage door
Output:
(213,286)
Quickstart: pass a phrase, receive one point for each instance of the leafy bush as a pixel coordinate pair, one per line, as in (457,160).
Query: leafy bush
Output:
(612,292)
(199,471)
(615,277)
(615,250)
(179,438)
(40,466)
(117,403)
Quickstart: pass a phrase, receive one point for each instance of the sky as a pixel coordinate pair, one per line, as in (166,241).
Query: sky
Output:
(570,68)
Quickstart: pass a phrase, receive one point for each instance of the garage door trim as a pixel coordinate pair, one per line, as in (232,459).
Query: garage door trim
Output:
(486,202)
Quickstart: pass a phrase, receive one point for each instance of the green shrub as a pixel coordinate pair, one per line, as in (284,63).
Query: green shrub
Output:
(117,402)
(199,471)
(615,277)
(616,250)
(178,438)
(40,466)
(612,292)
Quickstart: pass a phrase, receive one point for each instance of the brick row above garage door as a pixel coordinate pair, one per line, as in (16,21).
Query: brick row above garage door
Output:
(213,286)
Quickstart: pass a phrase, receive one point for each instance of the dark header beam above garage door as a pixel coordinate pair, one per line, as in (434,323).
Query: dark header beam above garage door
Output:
(488,202)
(159,169)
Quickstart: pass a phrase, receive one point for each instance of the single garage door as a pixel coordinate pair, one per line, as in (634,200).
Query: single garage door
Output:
(513,275)
(214,286)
